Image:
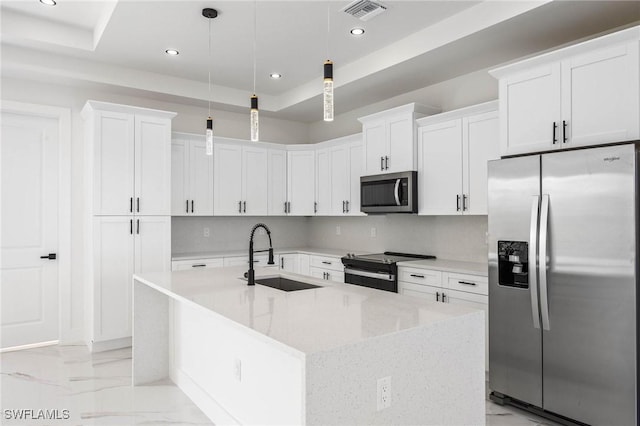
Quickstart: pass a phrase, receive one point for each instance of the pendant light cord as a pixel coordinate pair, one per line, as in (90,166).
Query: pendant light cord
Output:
(255,31)
(209,67)
(328,25)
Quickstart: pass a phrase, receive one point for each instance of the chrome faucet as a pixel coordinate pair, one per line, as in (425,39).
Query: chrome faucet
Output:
(251,276)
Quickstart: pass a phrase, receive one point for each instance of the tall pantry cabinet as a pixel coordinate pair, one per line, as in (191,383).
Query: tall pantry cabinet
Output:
(128,181)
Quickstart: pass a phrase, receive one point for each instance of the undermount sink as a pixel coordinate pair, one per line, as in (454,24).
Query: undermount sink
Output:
(285,284)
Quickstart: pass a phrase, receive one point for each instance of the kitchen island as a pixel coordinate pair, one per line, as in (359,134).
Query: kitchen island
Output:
(249,355)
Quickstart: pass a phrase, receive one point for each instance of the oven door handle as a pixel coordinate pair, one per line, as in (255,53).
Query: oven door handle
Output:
(396,192)
(376,275)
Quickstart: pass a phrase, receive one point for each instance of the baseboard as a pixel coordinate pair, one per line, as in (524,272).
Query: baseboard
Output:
(209,406)
(109,345)
(29,346)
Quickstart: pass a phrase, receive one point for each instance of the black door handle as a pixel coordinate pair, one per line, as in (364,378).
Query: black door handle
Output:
(555,126)
(138,204)
(50,256)
(187,206)
(564,131)
(191,206)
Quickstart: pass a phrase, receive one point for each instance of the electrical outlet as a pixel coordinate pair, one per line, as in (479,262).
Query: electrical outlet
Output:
(338,230)
(206,232)
(374,232)
(237,370)
(384,393)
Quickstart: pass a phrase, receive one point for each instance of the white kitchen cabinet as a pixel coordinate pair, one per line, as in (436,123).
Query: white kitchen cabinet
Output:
(289,262)
(130,151)
(191,176)
(123,246)
(389,139)
(453,150)
(580,95)
(304,266)
(328,268)
(182,265)
(240,179)
(258,260)
(277,180)
(301,181)
(322,204)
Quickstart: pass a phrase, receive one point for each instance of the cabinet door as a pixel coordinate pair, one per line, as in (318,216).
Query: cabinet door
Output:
(474,301)
(179,178)
(480,134)
(152,165)
(200,179)
(440,172)
(340,179)
(113,164)
(375,147)
(289,262)
(529,109)
(401,146)
(113,270)
(322,205)
(227,181)
(422,291)
(304,264)
(355,169)
(600,96)
(254,181)
(152,244)
(301,182)
(277,170)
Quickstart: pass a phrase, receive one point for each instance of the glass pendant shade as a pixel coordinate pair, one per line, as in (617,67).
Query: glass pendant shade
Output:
(327,92)
(255,124)
(209,136)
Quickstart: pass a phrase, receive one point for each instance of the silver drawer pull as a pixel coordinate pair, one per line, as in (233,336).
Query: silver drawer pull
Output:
(198,266)
(417,276)
(466,283)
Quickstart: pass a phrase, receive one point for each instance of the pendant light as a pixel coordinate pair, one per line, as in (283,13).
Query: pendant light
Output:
(254,120)
(327,90)
(209,14)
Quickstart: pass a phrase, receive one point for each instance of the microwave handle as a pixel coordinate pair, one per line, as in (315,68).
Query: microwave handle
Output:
(396,191)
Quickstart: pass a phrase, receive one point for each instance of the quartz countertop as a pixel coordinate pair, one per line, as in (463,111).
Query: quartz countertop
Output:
(308,321)
(461,267)
(219,254)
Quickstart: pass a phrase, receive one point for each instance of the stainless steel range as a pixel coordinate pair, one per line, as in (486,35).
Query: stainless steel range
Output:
(378,270)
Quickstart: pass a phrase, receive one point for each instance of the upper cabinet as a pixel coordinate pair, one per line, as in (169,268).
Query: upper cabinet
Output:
(131,151)
(453,150)
(191,176)
(301,180)
(240,178)
(389,139)
(277,178)
(581,95)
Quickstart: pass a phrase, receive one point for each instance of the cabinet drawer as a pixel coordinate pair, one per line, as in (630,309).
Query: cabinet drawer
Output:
(260,260)
(468,283)
(327,262)
(181,265)
(420,276)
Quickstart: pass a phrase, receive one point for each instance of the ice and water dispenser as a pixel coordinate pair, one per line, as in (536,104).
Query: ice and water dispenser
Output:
(513,264)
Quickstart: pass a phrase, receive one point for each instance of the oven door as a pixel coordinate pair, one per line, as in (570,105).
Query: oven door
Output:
(377,280)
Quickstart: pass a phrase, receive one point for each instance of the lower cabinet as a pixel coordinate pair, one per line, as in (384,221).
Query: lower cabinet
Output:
(448,287)
(258,260)
(181,265)
(123,245)
(326,268)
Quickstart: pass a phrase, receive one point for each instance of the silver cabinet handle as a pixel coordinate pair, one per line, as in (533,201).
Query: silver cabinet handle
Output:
(466,283)
(457,202)
(386,163)
(347,206)
(138,204)
(138,226)
(381,163)
(533,251)
(544,300)
(464,202)
(417,276)
(396,192)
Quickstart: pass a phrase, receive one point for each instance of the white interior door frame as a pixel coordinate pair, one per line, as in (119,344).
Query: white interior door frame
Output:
(63,115)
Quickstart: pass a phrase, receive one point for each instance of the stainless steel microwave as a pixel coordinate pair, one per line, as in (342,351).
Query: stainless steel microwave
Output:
(389,193)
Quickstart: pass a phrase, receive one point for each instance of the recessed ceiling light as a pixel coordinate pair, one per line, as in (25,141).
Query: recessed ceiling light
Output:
(357,31)
(172,52)
(48,2)
(275,75)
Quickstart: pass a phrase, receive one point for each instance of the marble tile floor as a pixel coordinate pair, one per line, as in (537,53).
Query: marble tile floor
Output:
(81,388)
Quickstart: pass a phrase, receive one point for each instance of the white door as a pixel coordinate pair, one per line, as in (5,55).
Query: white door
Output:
(200,179)
(355,172)
(29,285)
(289,262)
(227,183)
(179,178)
(530,111)
(322,204)
(440,171)
(301,182)
(600,96)
(277,170)
(481,144)
(339,178)
(255,187)
(152,165)
(401,144)
(375,147)
(152,244)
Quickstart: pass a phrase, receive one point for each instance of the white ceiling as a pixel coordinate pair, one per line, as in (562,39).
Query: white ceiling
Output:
(412,45)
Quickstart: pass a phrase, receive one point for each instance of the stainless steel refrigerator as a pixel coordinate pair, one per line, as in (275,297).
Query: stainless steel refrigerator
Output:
(563,283)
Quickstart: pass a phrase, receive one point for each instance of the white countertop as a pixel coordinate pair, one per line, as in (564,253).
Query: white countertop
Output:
(473,268)
(219,254)
(308,321)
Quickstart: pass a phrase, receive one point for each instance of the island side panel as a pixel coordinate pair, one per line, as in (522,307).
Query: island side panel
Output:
(233,375)
(437,377)
(151,328)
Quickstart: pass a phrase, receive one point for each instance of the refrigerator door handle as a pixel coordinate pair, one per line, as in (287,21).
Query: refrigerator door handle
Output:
(544,299)
(533,252)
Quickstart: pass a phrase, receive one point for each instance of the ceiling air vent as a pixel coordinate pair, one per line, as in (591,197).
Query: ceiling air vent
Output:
(364,9)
